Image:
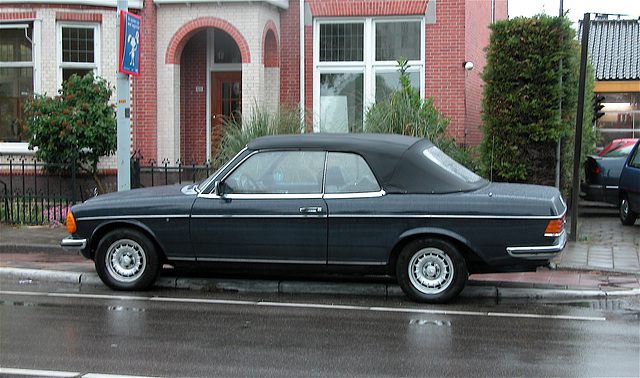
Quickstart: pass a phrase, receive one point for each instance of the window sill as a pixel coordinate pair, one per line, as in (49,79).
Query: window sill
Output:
(18,148)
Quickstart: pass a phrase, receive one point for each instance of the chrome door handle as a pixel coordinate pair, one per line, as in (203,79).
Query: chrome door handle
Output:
(311,209)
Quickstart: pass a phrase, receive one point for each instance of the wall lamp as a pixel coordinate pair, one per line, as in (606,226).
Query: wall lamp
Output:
(467,66)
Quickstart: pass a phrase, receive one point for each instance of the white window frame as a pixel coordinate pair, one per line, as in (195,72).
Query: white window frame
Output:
(369,66)
(95,66)
(36,64)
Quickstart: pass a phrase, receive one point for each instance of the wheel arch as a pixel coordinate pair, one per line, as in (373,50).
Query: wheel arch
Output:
(106,227)
(471,255)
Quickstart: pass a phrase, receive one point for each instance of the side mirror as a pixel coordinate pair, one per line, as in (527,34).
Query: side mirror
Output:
(218,190)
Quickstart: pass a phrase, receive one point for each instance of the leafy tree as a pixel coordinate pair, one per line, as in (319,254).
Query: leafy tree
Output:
(522,116)
(404,112)
(78,123)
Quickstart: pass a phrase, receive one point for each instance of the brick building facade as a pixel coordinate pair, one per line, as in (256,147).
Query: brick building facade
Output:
(203,61)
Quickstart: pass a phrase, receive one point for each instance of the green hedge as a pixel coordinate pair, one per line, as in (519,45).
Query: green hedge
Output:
(522,116)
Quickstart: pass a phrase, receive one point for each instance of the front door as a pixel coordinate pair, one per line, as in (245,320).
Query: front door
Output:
(226,101)
(271,211)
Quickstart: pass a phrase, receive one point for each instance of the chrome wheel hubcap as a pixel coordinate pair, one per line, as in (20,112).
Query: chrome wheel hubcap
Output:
(624,208)
(126,260)
(431,270)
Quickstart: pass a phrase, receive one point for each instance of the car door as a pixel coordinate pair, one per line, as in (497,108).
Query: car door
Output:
(630,178)
(267,209)
(358,234)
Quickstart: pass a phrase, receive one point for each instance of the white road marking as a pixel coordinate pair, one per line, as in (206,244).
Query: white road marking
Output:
(64,374)
(307,306)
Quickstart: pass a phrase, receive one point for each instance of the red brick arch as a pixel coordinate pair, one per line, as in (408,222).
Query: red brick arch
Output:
(186,31)
(270,45)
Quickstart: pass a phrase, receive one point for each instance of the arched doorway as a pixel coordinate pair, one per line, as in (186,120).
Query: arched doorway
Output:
(210,91)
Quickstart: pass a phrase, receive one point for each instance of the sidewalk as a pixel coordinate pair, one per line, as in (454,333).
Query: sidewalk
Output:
(604,261)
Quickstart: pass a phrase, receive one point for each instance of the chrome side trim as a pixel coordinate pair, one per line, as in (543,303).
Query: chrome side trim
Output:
(232,260)
(261,216)
(69,243)
(365,263)
(191,259)
(539,252)
(118,217)
(391,216)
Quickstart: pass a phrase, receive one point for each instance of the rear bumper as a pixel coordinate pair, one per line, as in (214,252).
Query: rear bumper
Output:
(546,252)
(599,192)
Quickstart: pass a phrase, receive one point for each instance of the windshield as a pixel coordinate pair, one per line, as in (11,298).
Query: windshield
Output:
(434,154)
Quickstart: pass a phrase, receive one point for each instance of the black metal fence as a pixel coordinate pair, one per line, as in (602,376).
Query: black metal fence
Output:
(154,174)
(33,192)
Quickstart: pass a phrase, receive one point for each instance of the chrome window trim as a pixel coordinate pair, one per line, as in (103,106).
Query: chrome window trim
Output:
(272,196)
(354,195)
(320,195)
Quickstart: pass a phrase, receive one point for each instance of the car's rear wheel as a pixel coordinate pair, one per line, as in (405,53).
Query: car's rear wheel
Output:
(127,260)
(627,216)
(431,270)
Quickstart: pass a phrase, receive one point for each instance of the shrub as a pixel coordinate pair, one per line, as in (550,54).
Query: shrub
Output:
(78,123)
(404,112)
(522,116)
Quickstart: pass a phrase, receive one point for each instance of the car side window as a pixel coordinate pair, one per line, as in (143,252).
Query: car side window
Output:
(277,172)
(349,173)
(635,159)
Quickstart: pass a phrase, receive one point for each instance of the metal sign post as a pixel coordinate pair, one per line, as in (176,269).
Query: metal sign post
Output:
(122,91)
(575,190)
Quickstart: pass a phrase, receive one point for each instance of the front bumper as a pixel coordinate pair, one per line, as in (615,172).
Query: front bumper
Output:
(546,252)
(72,244)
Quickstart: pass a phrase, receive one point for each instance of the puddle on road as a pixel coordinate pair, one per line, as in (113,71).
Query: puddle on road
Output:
(423,322)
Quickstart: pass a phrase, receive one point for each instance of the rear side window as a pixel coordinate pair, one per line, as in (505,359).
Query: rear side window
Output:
(348,173)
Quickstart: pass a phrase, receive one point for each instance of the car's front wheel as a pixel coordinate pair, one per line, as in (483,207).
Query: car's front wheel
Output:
(127,260)
(627,216)
(431,270)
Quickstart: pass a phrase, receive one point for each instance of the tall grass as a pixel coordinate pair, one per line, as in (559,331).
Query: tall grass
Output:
(261,122)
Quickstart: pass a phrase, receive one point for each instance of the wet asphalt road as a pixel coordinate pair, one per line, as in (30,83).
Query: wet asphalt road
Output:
(180,333)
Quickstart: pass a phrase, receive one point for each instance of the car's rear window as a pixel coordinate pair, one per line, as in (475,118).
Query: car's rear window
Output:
(619,152)
(438,157)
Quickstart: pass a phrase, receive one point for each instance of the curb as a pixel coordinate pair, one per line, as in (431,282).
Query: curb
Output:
(477,289)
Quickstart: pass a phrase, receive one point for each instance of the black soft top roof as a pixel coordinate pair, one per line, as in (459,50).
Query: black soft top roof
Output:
(397,160)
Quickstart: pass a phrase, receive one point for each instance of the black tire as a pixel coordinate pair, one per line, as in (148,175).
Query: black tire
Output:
(431,270)
(627,216)
(126,259)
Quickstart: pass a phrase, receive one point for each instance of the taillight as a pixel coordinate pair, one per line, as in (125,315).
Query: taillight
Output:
(71,223)
(555,227)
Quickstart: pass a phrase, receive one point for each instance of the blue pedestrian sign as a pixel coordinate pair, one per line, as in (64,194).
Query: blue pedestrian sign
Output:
(129,43)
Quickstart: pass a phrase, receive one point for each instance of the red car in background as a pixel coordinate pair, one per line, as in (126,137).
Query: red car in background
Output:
(617,144)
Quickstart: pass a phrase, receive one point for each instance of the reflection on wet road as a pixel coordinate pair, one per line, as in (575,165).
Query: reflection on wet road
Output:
(166,333)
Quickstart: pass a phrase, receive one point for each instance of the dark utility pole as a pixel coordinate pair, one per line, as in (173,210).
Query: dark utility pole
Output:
(579,120)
